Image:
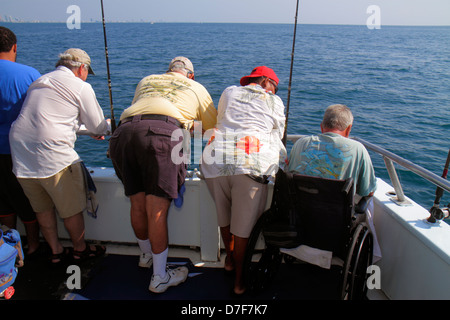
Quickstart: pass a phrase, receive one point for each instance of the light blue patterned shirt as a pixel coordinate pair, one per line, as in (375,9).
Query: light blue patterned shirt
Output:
(333,156)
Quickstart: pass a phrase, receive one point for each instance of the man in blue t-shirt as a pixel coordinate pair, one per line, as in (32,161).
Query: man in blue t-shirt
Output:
(15,78)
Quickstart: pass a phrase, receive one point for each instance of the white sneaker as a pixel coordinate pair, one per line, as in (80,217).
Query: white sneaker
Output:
(146,260)
(173,278)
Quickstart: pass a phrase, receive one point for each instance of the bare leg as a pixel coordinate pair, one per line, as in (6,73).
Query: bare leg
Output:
(240,246)
(149,220)
(47,223)
(75,227)
(157,209)
(138,214)
(32,231)
(228,241)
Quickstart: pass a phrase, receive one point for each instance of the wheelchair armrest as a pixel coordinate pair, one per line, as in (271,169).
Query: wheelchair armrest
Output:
(362,205)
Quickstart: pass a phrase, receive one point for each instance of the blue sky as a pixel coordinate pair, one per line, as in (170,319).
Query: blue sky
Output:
(392,12)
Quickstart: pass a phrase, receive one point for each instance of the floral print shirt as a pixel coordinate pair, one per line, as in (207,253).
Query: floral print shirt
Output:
(248,135)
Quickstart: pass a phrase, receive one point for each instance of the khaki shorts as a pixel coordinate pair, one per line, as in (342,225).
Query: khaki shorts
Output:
(239,201)
(65,191)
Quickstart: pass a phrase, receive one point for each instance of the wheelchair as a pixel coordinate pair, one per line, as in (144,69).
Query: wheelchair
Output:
(318,213)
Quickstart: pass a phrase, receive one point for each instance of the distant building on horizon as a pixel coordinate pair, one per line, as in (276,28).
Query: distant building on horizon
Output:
(7,18)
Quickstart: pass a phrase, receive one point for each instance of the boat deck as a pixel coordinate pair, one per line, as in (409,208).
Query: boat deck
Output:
(116,276)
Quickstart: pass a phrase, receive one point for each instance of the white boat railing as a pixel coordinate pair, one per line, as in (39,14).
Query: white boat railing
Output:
(389,159)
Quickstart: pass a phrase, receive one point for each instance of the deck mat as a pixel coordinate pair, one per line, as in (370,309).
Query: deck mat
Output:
(117,277)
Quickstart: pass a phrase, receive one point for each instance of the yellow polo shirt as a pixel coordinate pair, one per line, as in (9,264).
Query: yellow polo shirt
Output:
(174,95)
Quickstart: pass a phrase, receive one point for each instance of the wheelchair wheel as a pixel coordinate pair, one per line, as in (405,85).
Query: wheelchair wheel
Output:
(260,264)
(359,258)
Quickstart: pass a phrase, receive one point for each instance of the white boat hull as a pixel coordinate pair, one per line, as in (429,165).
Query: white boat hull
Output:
(415,260)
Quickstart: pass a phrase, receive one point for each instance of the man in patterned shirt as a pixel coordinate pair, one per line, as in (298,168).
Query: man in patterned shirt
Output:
(244,151)
(333,155)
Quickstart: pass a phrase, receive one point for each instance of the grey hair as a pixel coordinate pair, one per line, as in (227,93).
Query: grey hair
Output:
(179,66)
(66,61)
(337,116)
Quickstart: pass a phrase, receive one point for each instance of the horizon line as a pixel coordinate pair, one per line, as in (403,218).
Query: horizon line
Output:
(222,22)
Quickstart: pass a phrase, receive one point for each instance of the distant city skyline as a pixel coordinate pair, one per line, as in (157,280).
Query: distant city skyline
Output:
(391,12)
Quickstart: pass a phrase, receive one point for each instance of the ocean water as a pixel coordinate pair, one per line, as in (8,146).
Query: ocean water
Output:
(396,80)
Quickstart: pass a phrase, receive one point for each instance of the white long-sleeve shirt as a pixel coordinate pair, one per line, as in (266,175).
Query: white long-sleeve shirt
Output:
(43,136)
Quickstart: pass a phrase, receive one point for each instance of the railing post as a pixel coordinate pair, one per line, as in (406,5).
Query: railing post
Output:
(400,196)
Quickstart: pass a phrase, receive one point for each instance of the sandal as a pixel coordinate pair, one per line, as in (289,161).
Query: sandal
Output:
(61,257)
(88,253)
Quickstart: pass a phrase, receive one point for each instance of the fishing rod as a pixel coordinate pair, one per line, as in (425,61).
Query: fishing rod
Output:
(438,214)
(290,77)
(113,120)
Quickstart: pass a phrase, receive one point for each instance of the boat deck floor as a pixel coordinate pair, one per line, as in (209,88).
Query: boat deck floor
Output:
(117,277)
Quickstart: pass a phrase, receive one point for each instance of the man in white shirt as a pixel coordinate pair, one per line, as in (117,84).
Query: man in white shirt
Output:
(42,143)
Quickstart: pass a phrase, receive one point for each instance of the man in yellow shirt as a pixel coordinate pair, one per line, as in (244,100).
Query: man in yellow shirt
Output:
(141,151)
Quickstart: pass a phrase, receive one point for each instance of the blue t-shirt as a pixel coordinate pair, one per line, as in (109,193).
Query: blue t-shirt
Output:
(15,78)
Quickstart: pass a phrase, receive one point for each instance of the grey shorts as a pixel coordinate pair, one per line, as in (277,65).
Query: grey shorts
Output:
(141,151)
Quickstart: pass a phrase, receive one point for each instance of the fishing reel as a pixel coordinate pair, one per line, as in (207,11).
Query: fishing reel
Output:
(438,214)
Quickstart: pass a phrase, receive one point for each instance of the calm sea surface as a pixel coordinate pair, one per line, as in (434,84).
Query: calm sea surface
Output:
(396,80)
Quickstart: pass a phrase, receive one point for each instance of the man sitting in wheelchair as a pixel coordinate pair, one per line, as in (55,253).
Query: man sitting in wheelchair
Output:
(333,155)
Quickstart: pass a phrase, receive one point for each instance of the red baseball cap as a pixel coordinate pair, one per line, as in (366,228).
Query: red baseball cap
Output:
(261,71)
